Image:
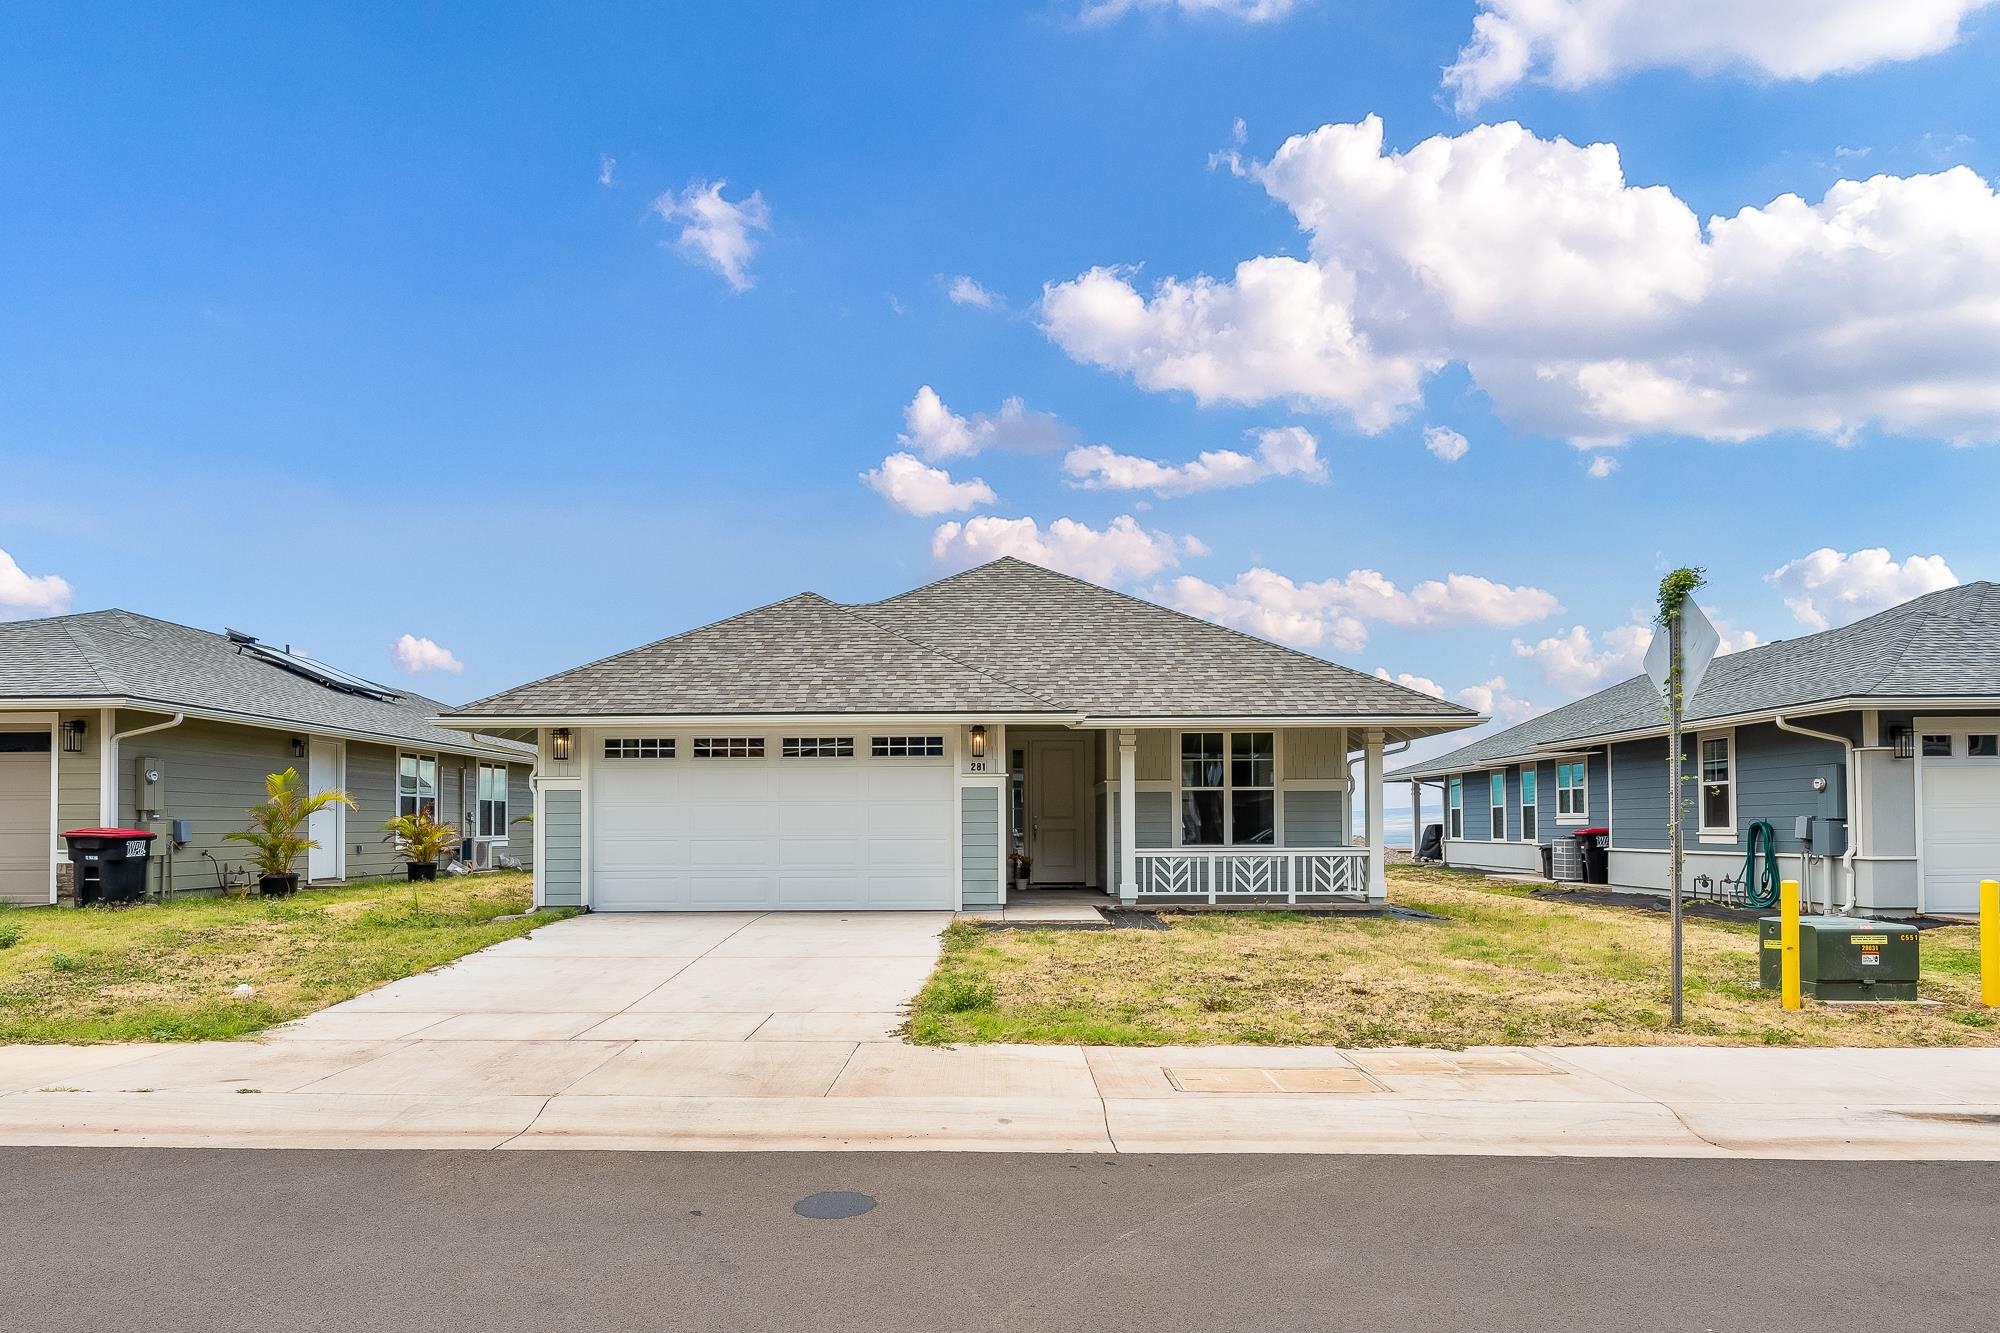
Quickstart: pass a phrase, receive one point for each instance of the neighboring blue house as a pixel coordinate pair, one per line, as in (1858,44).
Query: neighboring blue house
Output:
(1886,731)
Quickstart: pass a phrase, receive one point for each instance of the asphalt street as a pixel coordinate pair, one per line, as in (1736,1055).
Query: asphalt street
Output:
(268,1241)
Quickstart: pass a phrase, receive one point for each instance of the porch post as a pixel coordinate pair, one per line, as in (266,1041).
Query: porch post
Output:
(1128,816)
(1416,816)
(1378,880)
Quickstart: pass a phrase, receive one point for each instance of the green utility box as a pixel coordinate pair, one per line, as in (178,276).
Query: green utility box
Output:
(1843,958)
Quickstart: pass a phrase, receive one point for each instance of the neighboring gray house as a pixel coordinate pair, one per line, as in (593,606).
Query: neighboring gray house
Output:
(111,718)
(1889,726)
(810,754)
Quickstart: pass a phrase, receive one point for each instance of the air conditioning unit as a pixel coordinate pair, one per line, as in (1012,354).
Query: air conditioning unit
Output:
(1566,860)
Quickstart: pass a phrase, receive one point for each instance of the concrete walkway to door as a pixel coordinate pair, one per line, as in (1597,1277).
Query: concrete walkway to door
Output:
(696,976)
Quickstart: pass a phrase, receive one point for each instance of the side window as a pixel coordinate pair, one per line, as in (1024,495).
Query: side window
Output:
(1529,809)
(1455,816)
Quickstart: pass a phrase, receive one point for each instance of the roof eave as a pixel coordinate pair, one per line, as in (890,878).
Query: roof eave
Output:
(262,720)
(528,721)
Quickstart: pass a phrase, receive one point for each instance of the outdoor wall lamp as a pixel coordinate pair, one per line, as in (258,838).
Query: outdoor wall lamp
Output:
(1903,742)
(73,736)
(559,743)
(979,742)
(298,748)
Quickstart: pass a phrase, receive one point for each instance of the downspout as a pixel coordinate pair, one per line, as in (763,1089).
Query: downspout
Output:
(1853,800)
(110,797)
(1375,798)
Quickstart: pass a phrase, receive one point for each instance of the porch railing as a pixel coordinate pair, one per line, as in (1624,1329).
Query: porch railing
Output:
(1287,873)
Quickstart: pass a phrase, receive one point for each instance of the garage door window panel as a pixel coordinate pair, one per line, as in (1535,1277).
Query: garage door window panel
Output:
(729,747)
(906,747)
(639,747)
(817,747)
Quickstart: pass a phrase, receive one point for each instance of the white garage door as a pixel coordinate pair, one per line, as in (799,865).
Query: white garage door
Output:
(1961,820)
(681,833)
(25,844)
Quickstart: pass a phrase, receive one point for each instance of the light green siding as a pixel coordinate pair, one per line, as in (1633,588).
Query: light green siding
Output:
(562,848)
(520,801)
(371,781)
(1312,818)
(212,773)
(979,847)
(1153,815)
(77,774)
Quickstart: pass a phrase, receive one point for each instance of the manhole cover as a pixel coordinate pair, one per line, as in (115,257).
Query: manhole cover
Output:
(834,1204)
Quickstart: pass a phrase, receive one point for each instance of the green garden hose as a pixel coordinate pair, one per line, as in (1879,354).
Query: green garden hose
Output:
(1761,890)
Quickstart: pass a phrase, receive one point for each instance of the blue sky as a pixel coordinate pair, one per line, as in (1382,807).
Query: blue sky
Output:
(344,323)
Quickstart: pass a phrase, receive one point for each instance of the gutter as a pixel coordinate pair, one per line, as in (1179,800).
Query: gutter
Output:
(1854,825)
(107,785)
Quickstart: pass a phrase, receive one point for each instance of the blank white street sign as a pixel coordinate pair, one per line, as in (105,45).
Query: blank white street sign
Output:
(1698,644)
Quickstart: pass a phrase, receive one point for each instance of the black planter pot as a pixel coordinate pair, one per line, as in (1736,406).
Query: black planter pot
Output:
(421,870)
(278,886)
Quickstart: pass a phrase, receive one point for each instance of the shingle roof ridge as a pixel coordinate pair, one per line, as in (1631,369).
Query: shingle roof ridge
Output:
(627,652)
(1007,560)
(92,655)
(856,609)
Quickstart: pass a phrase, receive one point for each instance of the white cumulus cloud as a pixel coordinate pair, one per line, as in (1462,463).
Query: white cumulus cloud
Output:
(1580,663)
(1446,443)
(607,169)
(1421,684)
(1602,466)
(1576,43)
(1829,587)
(966,291)
(1584,306)
(1118,552)
(936,432)
(417,655)
(23,596)
(716,233)
(915,487)
(1286,451)
(1337,611)
(1246,11)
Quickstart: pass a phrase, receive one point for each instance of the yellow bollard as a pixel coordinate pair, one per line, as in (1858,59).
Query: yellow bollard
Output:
(1788,942)
(1989,943)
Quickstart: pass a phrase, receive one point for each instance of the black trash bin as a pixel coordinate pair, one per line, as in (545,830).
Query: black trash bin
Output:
(1430,847)
(1594,846)
(1548,861)
(111,863)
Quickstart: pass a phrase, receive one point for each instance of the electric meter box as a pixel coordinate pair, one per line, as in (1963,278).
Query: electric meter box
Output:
(1843,958)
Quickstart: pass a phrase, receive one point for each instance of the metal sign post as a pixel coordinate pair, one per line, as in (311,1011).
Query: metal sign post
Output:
(1676,661)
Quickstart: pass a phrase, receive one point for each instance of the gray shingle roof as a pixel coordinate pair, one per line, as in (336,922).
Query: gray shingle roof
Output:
(802,655)
(1004,637)
(1941,645)
(119,655)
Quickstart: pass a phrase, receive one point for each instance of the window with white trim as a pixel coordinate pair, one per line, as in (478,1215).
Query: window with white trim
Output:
(1496,787)
(817,747)
(1937,747)
(1572,798)
(417,784)
(1529,807)
(1455,824)
(729,747)
(1718,783)
(1982,746)
(638,747)
(906,747)
(1229,788)
(492,800)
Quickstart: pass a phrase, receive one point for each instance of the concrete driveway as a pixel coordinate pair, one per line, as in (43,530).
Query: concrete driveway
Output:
(722,976)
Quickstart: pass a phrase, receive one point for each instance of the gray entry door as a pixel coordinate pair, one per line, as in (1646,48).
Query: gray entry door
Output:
(1058,811)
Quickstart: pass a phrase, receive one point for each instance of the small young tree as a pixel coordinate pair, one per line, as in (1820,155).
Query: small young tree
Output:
(277,827)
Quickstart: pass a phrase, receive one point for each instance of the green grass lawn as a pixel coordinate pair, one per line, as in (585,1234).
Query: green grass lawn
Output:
(166,972)
(1506,968)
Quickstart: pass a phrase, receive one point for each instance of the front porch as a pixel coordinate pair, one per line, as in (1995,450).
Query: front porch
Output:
(1218,815)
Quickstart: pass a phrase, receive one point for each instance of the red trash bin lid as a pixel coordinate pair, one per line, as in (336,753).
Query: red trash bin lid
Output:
(1591,833)
(128,834)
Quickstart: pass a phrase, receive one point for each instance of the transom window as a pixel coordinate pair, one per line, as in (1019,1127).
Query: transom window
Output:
(1497,787)
(818,747)
(417,785)
(906,747)
(1229,783)
(1529,807)
(1718,781)
(492,800)
(729,747)
(1572,802)
(1456,820)
(639,747)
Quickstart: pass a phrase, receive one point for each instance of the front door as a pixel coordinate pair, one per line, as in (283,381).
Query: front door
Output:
(323,774)
(1058,811)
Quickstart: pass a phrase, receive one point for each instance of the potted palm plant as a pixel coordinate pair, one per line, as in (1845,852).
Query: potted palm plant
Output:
(421,841)
(277,830)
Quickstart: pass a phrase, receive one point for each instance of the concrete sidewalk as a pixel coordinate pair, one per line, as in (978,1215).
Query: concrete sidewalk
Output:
(454,1092)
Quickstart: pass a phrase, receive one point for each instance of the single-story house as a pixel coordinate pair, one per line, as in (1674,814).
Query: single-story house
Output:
(899,754)
(110,718)
(1886,733)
